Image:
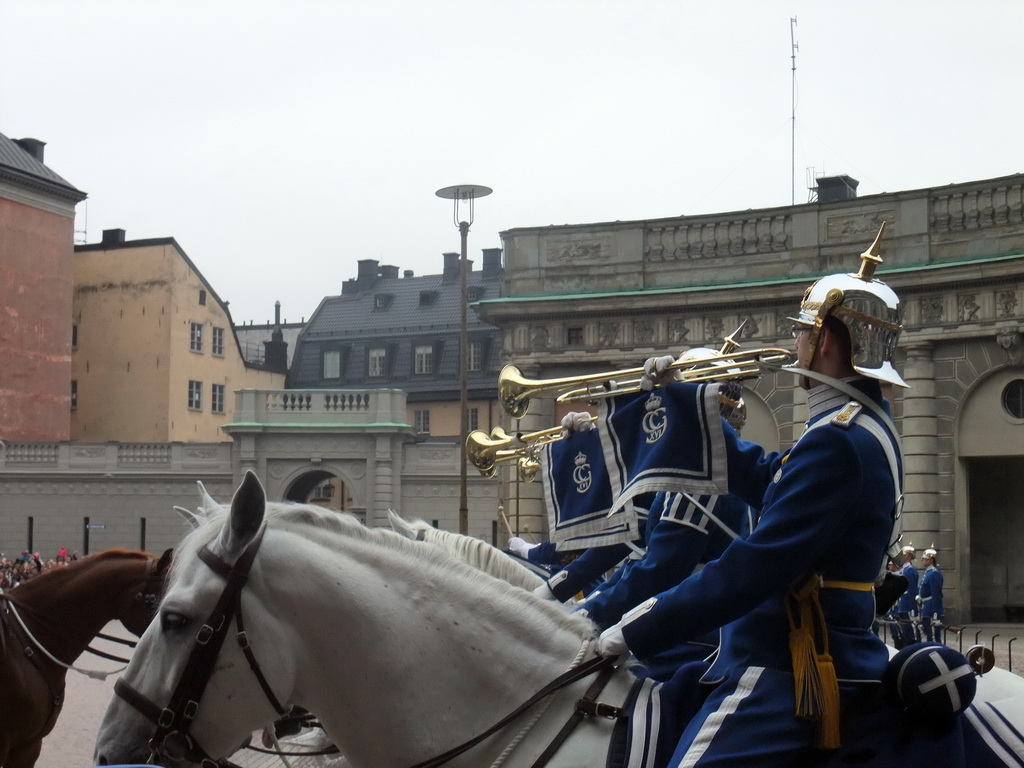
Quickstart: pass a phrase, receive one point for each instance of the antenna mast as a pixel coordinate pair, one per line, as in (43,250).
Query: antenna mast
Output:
(792,139)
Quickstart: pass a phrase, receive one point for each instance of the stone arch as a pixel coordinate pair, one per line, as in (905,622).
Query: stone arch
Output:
(301,481)
(990,450)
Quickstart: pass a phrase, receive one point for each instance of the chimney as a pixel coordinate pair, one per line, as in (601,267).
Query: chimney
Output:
(367,270)
(113,237)
(33,146)
(275,351)
(492,263)
(407,273)
(451,267)
(389,272)
(832,189)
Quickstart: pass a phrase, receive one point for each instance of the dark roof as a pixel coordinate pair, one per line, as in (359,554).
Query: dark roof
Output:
(399,314)
(18,165)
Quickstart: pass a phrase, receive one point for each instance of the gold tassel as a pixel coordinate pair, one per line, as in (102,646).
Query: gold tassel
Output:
(805,674)
(828,727)
(814,674)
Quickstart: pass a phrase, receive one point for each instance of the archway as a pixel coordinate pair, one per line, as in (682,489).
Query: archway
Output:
(322,488)
(991,446)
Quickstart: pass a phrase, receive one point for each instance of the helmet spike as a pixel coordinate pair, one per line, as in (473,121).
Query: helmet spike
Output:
(730,344)
(870,258)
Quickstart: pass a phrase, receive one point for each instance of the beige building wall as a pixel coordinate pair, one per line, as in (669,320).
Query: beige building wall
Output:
(135,305)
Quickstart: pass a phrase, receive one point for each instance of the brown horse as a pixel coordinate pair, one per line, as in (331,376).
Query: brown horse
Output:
(57,614)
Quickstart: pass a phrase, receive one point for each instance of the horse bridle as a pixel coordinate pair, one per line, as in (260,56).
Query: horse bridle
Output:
(172,739)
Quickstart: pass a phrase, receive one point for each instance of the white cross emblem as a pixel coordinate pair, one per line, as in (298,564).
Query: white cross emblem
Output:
(946,679)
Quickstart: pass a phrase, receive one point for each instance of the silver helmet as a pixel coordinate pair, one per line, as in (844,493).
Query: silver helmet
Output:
(867,307)
(730,393)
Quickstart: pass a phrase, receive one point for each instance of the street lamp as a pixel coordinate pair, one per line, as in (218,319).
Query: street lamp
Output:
(463,193)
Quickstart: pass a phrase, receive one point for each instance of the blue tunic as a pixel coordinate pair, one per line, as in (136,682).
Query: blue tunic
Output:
(908,600)
(826,508)
(682,533)
(930,593)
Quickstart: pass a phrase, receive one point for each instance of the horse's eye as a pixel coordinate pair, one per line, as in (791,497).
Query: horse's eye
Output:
(169,620)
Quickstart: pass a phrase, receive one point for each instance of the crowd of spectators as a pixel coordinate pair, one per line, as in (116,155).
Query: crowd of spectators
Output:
(28,565)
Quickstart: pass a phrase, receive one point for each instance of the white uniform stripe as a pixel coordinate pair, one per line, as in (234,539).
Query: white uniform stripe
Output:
(715,720)
(994,732)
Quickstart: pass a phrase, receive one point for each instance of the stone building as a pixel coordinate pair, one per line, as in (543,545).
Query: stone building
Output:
(37,223)
(585,298)
(154,354)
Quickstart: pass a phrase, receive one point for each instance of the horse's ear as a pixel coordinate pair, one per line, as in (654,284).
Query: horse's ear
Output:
(206,501)
(165,561)
(247,508)
(400,526)
(189,515)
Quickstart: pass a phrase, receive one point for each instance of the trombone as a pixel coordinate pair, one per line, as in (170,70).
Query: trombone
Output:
(515,391)
(485,450)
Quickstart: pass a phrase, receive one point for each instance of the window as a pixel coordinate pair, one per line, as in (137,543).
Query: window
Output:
(74,394)
(475,293)
(382,300)
(424,358)
(217,392)
(196,342)
(473,417)
(217,342)
(74,336)
(421,422)
(202,297)
(475,356)
(332,364)
(1013,398)
(574,337)
(323,492)
(195,395)
(378,362)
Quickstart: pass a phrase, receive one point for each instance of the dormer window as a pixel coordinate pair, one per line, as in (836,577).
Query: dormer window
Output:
(382,300)
(476,292)
(427,298)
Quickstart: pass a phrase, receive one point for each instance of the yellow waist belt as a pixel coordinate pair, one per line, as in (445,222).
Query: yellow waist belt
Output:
(814,673)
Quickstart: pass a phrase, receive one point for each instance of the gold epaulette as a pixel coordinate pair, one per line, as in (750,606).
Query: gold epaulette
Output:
(845,416)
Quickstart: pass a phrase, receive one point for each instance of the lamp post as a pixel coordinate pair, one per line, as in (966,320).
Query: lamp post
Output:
(464,194)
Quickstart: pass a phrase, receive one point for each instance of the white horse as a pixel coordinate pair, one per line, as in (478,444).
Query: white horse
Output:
(470,550)
(403,652)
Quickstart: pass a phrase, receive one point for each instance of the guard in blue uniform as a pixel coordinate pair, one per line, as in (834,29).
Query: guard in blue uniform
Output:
(688,532)
(929,597)
(904,631)
(797,645)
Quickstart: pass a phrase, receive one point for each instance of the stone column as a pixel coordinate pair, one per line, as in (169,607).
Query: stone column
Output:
(919,427)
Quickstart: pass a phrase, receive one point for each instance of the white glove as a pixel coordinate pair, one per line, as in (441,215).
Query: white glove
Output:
(654,372)
(520,546)
(577,421)
(611,642)
(544,592)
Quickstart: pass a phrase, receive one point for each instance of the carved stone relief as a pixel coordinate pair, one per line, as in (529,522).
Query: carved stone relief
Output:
(677,330)
(538,337)
(1007,304)
(713,329)
(968,308)
(1012,344)
(931,309)
(643,333)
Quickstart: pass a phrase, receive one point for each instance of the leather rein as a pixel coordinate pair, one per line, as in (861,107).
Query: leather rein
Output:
(173,741)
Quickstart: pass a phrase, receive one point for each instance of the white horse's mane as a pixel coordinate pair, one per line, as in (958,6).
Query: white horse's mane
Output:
(468,549)
(335,532)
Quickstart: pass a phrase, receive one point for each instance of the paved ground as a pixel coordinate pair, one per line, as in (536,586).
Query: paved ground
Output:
(70,745)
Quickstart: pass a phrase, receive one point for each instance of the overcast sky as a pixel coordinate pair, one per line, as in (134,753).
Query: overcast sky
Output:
(281,142)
